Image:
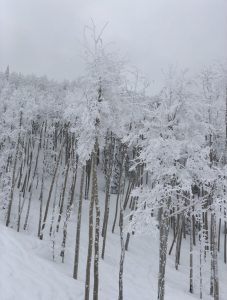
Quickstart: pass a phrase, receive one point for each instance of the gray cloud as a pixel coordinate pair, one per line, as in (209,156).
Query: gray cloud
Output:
(43,37)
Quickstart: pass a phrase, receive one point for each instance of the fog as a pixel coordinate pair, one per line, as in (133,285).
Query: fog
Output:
(45,37)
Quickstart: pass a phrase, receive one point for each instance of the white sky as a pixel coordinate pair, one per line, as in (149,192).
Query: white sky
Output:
(44,36)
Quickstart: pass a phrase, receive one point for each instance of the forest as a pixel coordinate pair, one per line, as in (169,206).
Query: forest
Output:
(98,176)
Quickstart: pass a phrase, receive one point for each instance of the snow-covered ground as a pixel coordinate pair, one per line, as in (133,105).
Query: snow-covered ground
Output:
(28,271)
(26,275)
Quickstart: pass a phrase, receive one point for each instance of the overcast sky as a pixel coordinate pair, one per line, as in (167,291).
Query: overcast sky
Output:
(44,36)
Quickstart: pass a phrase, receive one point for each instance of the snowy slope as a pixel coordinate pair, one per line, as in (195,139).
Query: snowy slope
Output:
(25,276)
(28,271)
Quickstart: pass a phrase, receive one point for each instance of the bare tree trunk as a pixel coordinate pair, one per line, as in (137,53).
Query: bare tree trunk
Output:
(120,296)
(178,245)
(63,194)
(53,215)
(87,179)
(97,226)
(193,227)
(191,254)
(79,215)
(13,182)
(68,211)
(90,244)
(219,232)
(41,205)
(32,181)
(50,193)
(225,234)
(130,218)
(119,192)
(19,213)
(164,231)
(121,224)
(214,257)
(225,162)
(109,166)
(205,229)
(175,236)
(200,257)
(129,189)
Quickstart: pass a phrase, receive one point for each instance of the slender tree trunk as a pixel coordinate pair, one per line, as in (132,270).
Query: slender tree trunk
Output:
(68,211)
(193,227)
(164,231)
(225,162)
(129,189)
(63,194)
(109,166)
(130,218)
(191,255)
(225,235)
(97,226)
(214,254)
(118,195)
(78,229)
(121,225)
(13,183)
(219,232)
(200,258)
(90,244)
(41,205)
(50,193)
(178,245)
(53,215)
(32,181)
(19,213)
(120,296)
(87,179)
